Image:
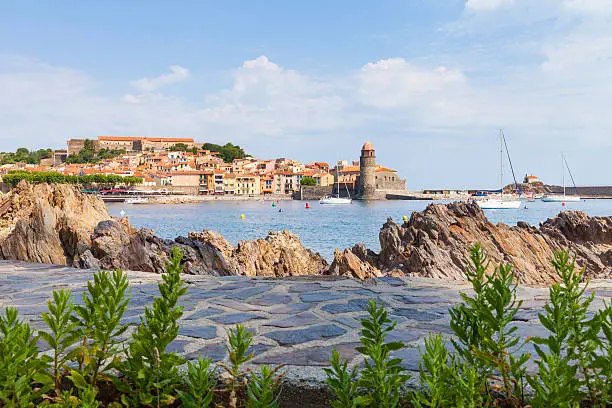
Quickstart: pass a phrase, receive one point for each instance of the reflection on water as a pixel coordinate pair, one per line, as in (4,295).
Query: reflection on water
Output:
(321,228)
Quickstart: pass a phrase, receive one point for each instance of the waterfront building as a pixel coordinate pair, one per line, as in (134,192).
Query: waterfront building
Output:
(324,179)
(531,179)
(266,184)
(248,184)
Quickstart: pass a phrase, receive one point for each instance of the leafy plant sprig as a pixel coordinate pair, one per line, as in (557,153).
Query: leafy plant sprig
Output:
(382,375)
(20,365)
(104,305)
(341,381)
(62,333)
(262,389)
(199,384)
(151,373)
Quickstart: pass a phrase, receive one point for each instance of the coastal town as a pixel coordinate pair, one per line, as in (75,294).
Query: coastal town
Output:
(185,167)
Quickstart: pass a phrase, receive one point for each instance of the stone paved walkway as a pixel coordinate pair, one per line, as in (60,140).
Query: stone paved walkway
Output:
(296,321)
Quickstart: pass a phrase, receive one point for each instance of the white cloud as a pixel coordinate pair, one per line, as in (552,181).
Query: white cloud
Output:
(397,83)
(177,74)
(600,8)
(487,5)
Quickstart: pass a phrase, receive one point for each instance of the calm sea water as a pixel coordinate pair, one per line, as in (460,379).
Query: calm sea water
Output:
(321,228)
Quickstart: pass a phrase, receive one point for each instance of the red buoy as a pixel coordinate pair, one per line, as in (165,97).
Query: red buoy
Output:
(562,204)
(307,205)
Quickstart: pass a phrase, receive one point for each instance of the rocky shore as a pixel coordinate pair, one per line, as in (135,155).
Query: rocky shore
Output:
(58,224)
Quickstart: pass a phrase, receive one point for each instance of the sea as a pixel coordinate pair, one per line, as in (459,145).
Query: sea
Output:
(321,228)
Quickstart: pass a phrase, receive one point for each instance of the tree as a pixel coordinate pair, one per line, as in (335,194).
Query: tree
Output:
(227,152)
(308,181)
(179,147)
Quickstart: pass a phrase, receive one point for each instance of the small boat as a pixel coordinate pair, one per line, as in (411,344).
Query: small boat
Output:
(335,198)
(137,200)
(562,198)
(500,203)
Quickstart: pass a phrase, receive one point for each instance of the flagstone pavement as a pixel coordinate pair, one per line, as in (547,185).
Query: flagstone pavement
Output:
(295,321)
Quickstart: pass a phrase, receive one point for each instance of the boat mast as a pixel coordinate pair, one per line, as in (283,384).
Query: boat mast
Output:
(563,172)
(338,178)
(501,162)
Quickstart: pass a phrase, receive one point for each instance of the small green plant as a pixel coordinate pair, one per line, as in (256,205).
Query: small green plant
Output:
(382,375)
(238,342)
(573,344)
(199,384)
(100,316)
(341,381)
(62,332)
(446,382)
(485,339)
(435,375)
(262,389)
(151,373)
(20,365)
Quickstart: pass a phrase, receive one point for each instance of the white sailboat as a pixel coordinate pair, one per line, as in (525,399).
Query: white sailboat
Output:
(335,198)
(562,198)
(500,203)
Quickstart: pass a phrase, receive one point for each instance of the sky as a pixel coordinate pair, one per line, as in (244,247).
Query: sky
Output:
(428,82)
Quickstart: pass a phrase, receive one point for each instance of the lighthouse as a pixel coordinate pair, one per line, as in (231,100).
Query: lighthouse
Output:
(367,172)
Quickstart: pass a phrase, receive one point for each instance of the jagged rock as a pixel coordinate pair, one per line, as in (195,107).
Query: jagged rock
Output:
(434,243)
(48,223)
(279,254)
(117,245)
(346,263)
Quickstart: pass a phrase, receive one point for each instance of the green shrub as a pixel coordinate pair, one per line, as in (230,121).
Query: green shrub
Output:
(382,376)
(573,345)
(104,304)
(62,333)
(485,339)
(199,384)
(21,367)
(52,177)
(341,381)
(262,389)
(151,373)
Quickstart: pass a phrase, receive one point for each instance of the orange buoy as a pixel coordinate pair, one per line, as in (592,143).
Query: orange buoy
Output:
(307,205)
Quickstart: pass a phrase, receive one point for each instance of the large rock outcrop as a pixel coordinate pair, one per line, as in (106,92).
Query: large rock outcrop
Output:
(434,243)
(115,244)
(48,223)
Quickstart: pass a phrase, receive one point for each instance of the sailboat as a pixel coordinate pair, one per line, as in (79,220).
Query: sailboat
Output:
(557,198)
(335,198)
(500,203)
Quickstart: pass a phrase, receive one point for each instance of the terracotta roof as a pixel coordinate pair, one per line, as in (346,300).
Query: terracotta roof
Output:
(150,139)
(349,169)
(367,146)
(385,169)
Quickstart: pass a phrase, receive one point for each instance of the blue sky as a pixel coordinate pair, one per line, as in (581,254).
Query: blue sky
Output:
(429,82)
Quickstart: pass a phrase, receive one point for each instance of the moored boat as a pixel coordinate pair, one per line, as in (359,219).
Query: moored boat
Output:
(562,198)
(501,203)
(335,198)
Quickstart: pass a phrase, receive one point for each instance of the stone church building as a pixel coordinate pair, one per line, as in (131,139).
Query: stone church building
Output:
(367,180)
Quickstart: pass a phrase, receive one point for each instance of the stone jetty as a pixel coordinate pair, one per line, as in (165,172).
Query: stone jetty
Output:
(296,321)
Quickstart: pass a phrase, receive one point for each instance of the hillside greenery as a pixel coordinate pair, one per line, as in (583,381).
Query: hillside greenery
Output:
(228,152)
(23,155)
(89,154)
(35,177)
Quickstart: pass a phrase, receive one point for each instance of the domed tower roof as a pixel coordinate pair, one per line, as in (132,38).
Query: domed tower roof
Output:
(367,146)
